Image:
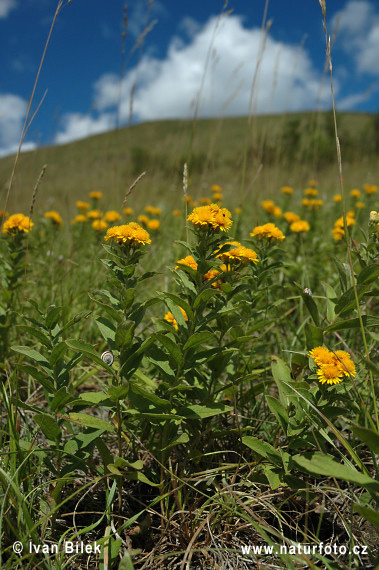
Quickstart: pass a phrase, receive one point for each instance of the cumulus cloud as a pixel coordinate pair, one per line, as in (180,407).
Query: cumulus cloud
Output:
(6,6)
(77,126)
(12,116)
(358,34)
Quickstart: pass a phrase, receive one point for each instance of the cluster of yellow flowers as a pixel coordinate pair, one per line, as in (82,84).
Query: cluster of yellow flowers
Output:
(150,224)
(169,317)
(271,208)
(269,232)
(211,217)
(238,254)
(54,217)
(338,231)
(312,203)
(129,234)
(287,190)
(17,223)
(300,226)
(332,366)
(370,188)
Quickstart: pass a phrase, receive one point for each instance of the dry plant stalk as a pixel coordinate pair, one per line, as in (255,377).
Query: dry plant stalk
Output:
(131,188)
(35,190)
(185,188)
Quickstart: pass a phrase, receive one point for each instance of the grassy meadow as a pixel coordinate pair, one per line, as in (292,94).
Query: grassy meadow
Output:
(189,358)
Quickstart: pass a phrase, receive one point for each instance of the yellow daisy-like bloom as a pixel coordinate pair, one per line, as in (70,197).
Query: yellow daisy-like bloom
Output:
(337,198)
(216,188)
(177,213)
(94,214)
(291,217)
(205,201)
(268,231)
(153,225)
(355,193)
(143,219)
(211,274)
(321,355)
(305,202)
(287,190)
(95,195)
(79,219)
(3,214)
(300,226)
(17,223)
(128,211)
(112,216)
(268,206)
(211,217)
(238,210)
(349,222)
(217,196)
(359,205)
(99,225)
(129,234)
(54,216)
(153,210)
(277,212)
(82,206)
(310,192)
(312,182)
(315,203)
(329,374)
(370,188)
(345,363)
(169,317)
(338,233)
(188,261)
(239,254)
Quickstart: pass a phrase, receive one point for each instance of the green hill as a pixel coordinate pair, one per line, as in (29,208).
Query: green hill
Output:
(291,149)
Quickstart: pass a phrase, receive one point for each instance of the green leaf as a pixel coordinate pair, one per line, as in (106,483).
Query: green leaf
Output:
(368,274)
(367,321)
(330,306)
(197,338)
(124,335)
(368,436)
(342,272)
(173,302)
(263,448)
(53,316)
(88,349)
(60,399)
(34,355)
(204,297)
(40,376)
(37,333)
(177,440)
(57,353)
(48,426)
(172,348)
(93,397)
(346,303)
(197,411)
(90,421)
(137,476)
(310,304)
(107,329)
(279,411)
(327,466)
(118,392)
(368,513)
(160,359)
(281,373)
(314,336)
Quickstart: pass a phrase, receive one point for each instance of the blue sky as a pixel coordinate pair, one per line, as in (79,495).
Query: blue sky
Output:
(195,54)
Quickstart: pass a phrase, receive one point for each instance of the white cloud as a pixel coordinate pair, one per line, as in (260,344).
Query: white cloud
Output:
(77,126)
(6,6)
(12,115)
(358,34)
(168,88)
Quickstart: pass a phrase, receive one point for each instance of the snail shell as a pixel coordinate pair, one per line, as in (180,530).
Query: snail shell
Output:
(107,357)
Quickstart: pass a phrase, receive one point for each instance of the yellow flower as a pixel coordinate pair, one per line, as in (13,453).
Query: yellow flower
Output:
(313,203)
(305,202)
(94,214)
(99,225)
(216,188)
(211,217)
(79,218)
(300,226)
(359,205)
(268,206)
(349,222)
(153,210)
(169,317)
(239,254)
(277,212)
(321,355)
(345,363)
(54,216)
(17,223)
(312,183)
(129,234)
(95,195)
(337,198)
(338,233)
(3,214)
(370,188)
(112,216)
(238,210)
(211,274)
(217,196)
(310,192)
(355,193)
(291,217)
(177,213)
(329,374)
(143,219)
(188,261)
(153,225)
(286,190)
(82,206)
(127,211)
(268,231)
(205,201)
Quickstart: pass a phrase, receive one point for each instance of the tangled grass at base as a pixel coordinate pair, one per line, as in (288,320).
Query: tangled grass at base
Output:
(239,364)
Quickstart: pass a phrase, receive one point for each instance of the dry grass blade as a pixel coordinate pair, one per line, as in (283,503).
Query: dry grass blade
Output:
(131,188)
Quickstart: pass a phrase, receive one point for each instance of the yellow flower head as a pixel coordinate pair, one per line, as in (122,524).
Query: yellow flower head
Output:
(169,317)
(54,216)
(268,206)
(349,222)
(277,212)
(17,223)
(129,234)
(291,217)
(329,374)
(79,219)
(211,217)
(310,192)
(217,196)
(344,362)
(188,261)
(370,188)
(153,210)
(337,198)
(211,274)
(177,213)
(127,211)
(205,201)
(95,195)
(286,190)
(99,225)
(321,355)
(359,205)
(112,216)
(312,183)
(355,193)
(82,206)
(300,226)
(153,225)
(268,231)
(143,219)
(216,188)
(238,210)
(239,254)
(94,214)
(314,203)
(338,233)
